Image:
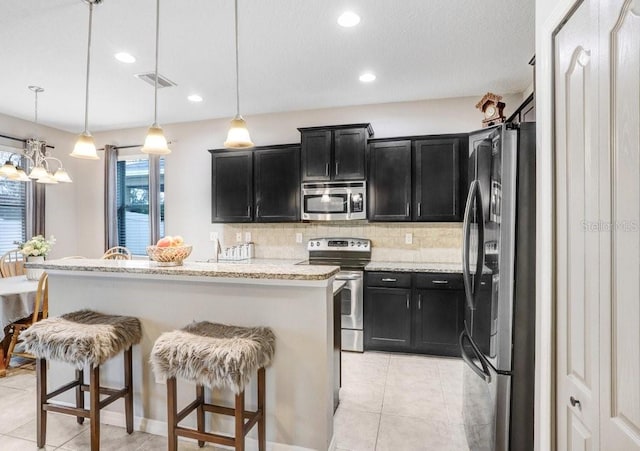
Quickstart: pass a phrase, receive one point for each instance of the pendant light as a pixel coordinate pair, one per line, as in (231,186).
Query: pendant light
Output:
(238,136)
(85,146)
(155,143)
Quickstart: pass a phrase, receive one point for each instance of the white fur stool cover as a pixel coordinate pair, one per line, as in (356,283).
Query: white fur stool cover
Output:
(82,338)
(214,355)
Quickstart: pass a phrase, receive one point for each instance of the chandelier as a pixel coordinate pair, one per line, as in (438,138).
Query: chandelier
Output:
(40,163)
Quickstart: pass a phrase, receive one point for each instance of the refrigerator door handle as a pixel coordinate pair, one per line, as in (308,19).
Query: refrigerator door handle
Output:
(466,238)
(483,372)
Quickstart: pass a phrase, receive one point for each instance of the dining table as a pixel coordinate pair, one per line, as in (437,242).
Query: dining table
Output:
(17,299)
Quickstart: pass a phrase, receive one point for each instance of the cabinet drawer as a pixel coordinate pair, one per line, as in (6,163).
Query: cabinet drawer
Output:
(442,281)
(389,279)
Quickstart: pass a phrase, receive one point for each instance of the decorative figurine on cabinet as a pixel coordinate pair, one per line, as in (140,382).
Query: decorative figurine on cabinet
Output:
(492,108)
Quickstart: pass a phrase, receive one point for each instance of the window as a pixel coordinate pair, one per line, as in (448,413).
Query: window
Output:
(134,215)
(13,210)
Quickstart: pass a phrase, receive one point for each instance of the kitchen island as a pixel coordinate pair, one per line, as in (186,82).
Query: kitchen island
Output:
(295,301)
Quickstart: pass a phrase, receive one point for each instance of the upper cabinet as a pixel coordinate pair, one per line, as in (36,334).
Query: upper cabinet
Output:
(261,185)
(417,179)
(334,153)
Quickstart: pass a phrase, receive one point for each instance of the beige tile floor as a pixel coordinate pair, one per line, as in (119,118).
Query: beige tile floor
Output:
(388,402)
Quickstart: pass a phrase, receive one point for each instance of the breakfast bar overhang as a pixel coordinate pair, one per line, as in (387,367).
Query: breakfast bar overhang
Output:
(295,301)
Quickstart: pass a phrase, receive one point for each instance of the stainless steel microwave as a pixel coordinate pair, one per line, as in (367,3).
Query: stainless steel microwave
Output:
(334,201)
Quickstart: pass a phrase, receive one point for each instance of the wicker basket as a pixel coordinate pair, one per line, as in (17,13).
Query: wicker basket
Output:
(168,256)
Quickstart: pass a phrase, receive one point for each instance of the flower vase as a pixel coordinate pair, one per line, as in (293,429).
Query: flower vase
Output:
(34,273)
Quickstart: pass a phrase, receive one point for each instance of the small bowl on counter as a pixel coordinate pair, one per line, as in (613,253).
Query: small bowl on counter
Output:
(168,256)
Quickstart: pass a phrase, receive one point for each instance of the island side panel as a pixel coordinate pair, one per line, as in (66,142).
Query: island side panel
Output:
(299,382)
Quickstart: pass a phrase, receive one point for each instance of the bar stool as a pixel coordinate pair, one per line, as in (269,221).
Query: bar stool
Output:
(214,355)
(82,338)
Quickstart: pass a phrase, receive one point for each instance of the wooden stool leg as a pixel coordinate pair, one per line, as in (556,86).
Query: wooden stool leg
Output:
(41,395)
(262,440)
(128,383)
(239,416)
(94,406)
(200,411)
(172,414)
(79,394)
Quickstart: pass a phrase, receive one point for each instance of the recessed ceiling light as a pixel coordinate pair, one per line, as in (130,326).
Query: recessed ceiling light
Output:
(367,77)
(348,19)
(125,57)
(194,98)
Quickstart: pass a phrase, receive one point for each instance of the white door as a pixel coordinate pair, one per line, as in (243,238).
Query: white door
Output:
(577,246)
(620,208)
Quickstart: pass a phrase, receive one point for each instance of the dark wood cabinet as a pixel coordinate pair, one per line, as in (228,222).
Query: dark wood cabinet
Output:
(390,181)
(387,318)
(232,186)
(438,321)
(262,184)
(413,312)
(277,184)
(437,180)
(334,152)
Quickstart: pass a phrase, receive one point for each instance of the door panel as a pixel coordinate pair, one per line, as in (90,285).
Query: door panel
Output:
(620,90)
(277,180)
(387,318)
(349,147)
(316,155)
(577,258)
(389,184)
(232,186)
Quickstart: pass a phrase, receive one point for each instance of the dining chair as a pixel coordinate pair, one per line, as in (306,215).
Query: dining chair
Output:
(117,253)
(12,264)
(40,311)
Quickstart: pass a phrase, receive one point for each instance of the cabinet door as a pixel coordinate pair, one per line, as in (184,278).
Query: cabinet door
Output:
(387,324)
(277,179)
(437,180)
(316,155)
(232,186)
(390,181)
(349,148)
(438,321)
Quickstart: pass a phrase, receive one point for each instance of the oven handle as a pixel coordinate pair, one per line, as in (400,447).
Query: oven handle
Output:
(483,372)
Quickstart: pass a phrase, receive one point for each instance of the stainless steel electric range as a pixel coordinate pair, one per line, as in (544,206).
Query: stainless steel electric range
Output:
(351,255)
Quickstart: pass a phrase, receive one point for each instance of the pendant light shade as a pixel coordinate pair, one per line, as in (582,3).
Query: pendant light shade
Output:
(62,176)
(21,176)
(238,136)
(155,143)
(8,170)
(38,172)
(85,146)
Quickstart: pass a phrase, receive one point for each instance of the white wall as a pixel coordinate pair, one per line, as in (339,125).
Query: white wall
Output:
(61,213)
(188,177)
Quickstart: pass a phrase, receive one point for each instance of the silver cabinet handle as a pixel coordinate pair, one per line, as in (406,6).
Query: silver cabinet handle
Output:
(441,282)
(406,209)
(389,280)
(249,211)
(407,301)
(419,209)
(419,302)
(257,210)
(337,166)
(575,402)
(326,170)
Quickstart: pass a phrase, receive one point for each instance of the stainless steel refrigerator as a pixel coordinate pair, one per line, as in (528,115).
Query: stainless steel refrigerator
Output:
(498,340)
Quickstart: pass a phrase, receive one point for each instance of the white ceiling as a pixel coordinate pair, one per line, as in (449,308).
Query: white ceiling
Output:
(293,56)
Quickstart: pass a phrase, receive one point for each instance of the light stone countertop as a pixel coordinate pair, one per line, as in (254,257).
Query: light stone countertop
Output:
(418,267)
(239,270)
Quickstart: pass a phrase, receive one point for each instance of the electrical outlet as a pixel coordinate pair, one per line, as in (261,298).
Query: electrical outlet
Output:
(213,236)
(298,237)
(239,237)
(408,238)
(247,237)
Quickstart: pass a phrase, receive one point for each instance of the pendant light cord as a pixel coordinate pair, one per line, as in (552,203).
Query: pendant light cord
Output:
(86,93)
(237,64)
(155,80)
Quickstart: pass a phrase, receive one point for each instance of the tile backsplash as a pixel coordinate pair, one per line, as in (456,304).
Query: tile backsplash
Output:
(431,242)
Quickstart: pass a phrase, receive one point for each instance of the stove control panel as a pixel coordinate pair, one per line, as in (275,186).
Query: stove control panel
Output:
(339,244)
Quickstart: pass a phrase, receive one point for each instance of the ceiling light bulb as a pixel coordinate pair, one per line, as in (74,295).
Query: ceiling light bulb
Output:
(125,57)
(194,98)
(38,172)
(62,176)
(238,136)
(367,77)
(155,143)
(85,147)
(348,19)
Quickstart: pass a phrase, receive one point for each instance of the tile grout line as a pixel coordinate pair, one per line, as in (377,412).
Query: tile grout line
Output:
(384,390)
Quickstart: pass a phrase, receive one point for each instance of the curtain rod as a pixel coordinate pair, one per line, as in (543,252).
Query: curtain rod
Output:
(24,141)
(131,146)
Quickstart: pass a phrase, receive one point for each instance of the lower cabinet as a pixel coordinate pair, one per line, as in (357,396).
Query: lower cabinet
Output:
(403,312)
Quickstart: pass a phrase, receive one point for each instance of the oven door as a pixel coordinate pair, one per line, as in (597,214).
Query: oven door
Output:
(351,300)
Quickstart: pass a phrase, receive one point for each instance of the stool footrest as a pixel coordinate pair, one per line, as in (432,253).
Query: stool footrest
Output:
(187,410)
(75,411)
(60,390)
(225,410)
(103,390)
(113,397)
(206,436)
